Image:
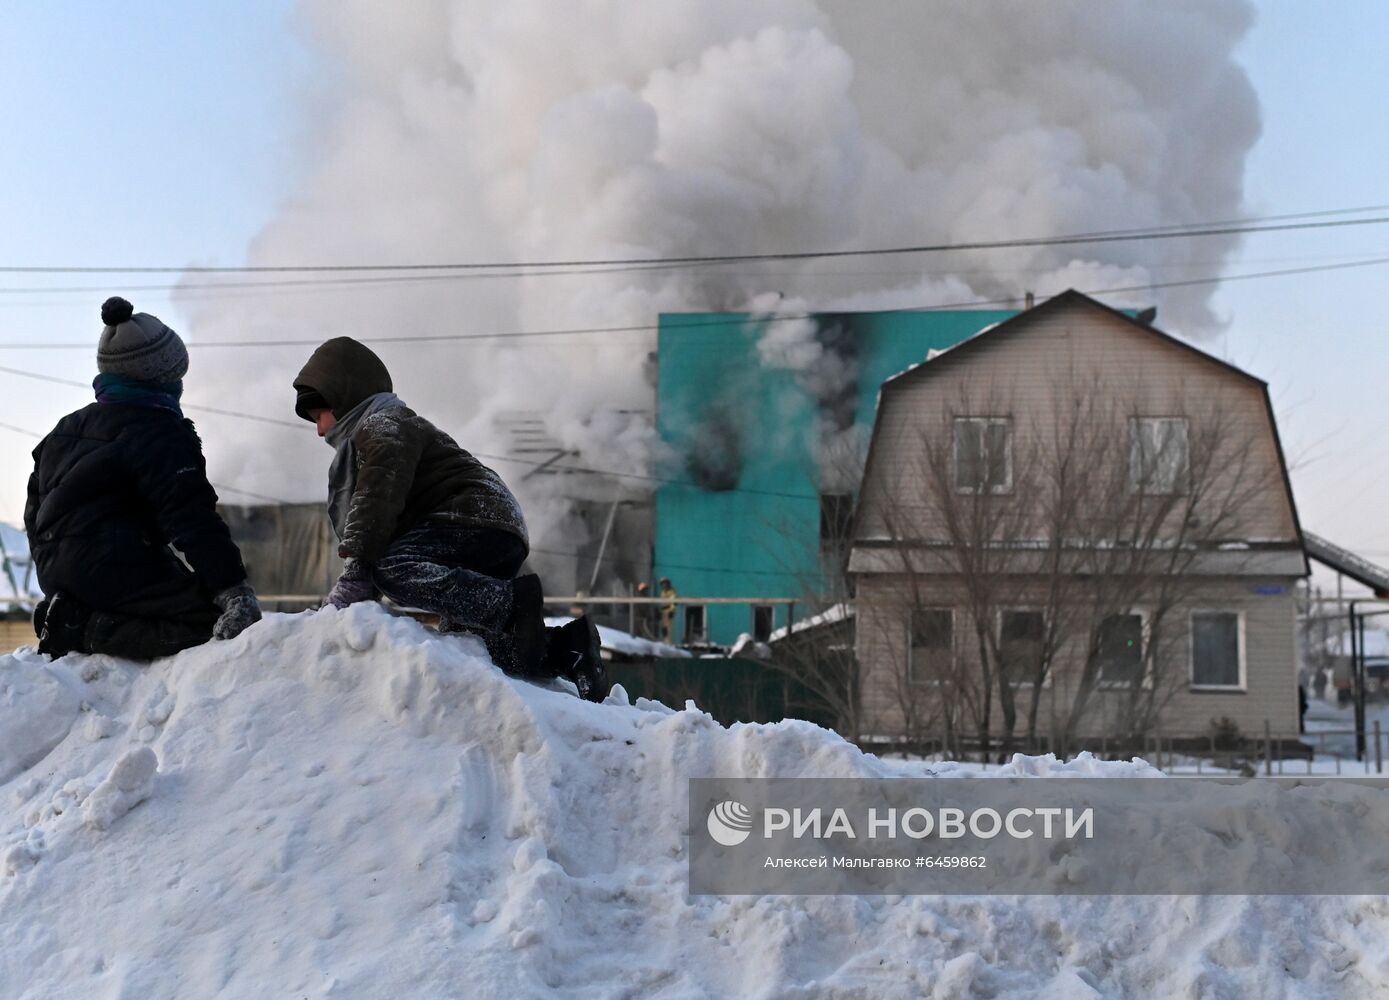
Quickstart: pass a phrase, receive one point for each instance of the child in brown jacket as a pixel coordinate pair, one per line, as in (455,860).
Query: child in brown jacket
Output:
(423,522)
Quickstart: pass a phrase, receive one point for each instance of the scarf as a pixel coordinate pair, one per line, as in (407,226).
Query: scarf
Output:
(342,474)
(121,389)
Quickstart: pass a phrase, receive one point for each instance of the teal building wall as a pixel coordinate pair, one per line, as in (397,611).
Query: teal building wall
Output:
(741,440)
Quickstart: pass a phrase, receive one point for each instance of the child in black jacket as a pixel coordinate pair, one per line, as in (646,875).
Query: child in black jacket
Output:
(114,486)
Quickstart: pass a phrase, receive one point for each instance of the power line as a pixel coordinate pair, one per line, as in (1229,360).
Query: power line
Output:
(298,426)
(20,430)
(1250,276)
(635,563)
(187,406)
(745,320)
(491,458)
(665,481)
(675,482)
(221,486)
(546,266)
(309,284)
(578,557)
(655,265)
(316,282)
(255,496)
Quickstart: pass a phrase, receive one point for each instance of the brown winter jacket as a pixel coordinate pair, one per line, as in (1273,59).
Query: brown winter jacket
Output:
(407,470)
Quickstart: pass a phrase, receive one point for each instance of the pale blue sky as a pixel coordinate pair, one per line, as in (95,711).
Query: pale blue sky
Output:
(1319,340)
(162,131)
(156,131)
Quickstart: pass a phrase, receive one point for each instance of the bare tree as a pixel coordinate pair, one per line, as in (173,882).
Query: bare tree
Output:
(1151,512)
(818,652)
(1081,517)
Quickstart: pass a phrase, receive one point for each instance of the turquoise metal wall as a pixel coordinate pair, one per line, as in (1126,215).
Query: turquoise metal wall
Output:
(746,434)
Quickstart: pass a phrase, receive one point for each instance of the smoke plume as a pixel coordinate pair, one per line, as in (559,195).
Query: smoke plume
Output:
(461,130)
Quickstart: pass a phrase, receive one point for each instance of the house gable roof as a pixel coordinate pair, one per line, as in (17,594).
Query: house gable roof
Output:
(991,335)
(998,332)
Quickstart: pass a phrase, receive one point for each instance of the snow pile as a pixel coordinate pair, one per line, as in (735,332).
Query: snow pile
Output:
(342,804)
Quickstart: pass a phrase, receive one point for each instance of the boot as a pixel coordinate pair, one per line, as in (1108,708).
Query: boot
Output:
(575,652)
(63,626)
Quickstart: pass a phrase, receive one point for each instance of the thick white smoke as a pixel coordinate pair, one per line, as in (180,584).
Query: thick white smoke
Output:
(460,130)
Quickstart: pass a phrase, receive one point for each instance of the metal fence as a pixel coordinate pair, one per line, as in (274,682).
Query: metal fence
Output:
(1324,751)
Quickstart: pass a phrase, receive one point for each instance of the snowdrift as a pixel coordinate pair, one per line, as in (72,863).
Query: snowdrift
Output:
(342,804)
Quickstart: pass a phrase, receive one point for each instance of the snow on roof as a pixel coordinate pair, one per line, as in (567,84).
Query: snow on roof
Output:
(935,352)
(19,584)
(624,642)
(834,613)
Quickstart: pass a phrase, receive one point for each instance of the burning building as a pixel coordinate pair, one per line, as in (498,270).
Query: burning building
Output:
(767,420)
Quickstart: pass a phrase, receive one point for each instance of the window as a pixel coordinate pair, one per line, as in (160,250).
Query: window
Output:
(983,454)
(1158,455)
(1020,638)
(694,623)
(1217,649)
(1120,650)
(931,654)
(763,616)
(836,514)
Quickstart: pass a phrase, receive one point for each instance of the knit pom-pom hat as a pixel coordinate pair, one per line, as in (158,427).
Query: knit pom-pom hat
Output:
(139,346)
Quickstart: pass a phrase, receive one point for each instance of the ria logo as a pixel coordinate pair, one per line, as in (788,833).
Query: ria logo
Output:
(730,823)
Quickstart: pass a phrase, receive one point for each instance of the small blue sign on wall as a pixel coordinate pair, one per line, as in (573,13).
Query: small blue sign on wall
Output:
(1268,589)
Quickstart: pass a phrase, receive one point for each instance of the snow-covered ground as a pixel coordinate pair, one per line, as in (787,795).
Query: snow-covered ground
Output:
(1331,727)
(343,804)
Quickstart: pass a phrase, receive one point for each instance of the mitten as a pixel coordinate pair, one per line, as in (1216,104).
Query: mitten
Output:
(240,609)
(353,586)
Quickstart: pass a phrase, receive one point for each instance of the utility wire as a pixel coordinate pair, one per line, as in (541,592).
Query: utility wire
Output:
(546,266)
(676,482)
(578,557)
(740,321)
(20,430)
(398,279)
(187,406)
(310,284)
(221,486)
(314,282)
(21,373)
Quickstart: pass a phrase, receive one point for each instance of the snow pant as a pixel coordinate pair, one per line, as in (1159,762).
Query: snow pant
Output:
(461,574)
(173,617)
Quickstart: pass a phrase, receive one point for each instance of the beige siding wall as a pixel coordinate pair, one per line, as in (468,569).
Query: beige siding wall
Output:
(1077,362)
(1032,373)
(891,703)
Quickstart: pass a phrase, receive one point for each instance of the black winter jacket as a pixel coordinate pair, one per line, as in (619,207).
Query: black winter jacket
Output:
(113,486)
(409,471)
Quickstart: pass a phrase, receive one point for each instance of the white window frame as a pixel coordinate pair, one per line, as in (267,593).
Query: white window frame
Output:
(1007,422)
(1145,630)
(998,636)
(912,679)
(1243,685)
(1136,485)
